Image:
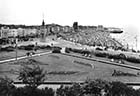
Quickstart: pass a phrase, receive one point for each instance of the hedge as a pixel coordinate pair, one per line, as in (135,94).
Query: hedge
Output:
(133,59)
(8,49)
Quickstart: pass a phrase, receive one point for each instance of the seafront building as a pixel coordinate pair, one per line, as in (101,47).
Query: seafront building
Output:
(89,35)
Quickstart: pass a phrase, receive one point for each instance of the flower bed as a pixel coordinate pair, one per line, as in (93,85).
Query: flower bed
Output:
(121,73)
(82,63)
(63,72)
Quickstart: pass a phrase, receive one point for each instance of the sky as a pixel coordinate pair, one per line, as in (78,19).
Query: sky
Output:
(109,13)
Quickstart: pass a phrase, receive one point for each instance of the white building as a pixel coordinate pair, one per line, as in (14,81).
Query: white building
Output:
(30,31)
(20,32)
(12,33)
(4,32)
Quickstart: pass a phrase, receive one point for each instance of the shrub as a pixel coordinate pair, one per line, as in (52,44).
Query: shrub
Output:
(137,92)
(85,52)
(29,91)
(6,86)
(133,59)
(99,49)
(45,47)
(28,48)
(8,49)
(3,49)
(122,56)
(42,47)
(82,63)
(97,87)
(56,50)
(48,47)
(94,87)
(31,75)
(30,45)
(67,50)
(114,56)
(62,72)
(56,47)
(77,50)
(121,73)
(21,47)
(101,54)
(74,90)
(49,91)
(120,89)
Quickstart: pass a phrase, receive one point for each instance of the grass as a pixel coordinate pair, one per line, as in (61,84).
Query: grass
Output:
(12,54)
(9,55)
(58,63)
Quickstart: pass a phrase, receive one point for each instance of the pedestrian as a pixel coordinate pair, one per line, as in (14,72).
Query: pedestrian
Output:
(28,54)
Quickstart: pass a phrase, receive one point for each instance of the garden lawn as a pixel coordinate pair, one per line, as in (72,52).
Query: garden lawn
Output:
(62,63)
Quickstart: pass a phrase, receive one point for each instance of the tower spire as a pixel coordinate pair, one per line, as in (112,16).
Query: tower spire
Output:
(43,22)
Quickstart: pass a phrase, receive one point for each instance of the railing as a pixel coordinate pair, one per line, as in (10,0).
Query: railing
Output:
(70,83)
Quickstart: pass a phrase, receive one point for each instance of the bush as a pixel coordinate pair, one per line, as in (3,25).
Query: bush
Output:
(48,47)
(101,54)
(133,59)
(42,47)
(67,50)
(29,91)
(62,72)
(120,89)
(21,47)
(8,49)
(8,89)
(56,50)
(121,73)
(6,86)
(82,63)
(85,52)
(77,50)
(3,49)
(122,56)
(74,90)
(32,76)
(56,47)
(113,56)
(97,88)
(99,49)
(29,47)
(45,47)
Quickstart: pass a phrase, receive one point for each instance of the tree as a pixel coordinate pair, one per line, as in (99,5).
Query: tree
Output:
(6,86)
(121,89)
(75,26)
(31,75)
(95,87)
(74,90)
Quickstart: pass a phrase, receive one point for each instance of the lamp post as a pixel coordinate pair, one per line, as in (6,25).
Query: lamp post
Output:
(15,41)
(16,51)
(136,38)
